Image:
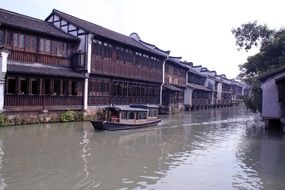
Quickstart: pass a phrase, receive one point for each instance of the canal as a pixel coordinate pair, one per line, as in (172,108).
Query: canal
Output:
(226,148)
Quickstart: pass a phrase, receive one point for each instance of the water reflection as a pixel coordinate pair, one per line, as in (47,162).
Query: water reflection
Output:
(207,149)
(2,181)
(87,182)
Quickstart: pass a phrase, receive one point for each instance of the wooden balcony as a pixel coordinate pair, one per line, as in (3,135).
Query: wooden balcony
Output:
(125,70)
(39,58)
(42,102)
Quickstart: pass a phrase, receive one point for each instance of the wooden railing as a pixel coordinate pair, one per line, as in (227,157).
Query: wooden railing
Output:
(39,58)
(124,70)
(41,102)
(107,100)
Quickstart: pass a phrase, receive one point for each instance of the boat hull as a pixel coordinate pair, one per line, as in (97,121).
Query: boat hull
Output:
(111,126)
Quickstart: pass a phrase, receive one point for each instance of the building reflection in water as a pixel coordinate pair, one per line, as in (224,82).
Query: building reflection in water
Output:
(86,182)
(2,154)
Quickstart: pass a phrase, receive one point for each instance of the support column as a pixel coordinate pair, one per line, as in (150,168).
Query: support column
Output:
(3,66)
(163,80)
(88,67)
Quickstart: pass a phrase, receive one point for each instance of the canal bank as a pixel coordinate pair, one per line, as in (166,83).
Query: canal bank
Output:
(226,148)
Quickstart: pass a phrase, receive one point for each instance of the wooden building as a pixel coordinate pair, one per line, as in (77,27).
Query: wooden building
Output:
(37,73)
(198,93)
(66,63)
(174,85)
(120,70)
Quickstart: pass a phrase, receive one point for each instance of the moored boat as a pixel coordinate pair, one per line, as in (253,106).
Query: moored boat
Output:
(123,118)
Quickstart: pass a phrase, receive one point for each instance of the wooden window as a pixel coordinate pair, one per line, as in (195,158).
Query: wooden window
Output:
(130,89)
(34,86)
(9,39)
(45,45)
(18,40)
(47,87)
(65,87)
(11,86)
(59,48)
(15,39)
(23,86)
(97,47)
(120,54)
(2,37)
(56,87)
(114,88)
(30,43)
(74,88)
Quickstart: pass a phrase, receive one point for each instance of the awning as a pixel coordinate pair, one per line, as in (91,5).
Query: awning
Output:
(198,87)
(173,88)
(42,70)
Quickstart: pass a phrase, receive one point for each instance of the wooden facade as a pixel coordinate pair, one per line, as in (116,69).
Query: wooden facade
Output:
(122,71)
(68,63)
(30,93)
(174,85)
(200,94)
(39,74)
(105,91)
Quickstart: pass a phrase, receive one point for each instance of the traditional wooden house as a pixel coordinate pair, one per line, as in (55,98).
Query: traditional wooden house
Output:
(198,93)
(273,98)
(119,69)
(237,92)
(224,96)
(211,83)
(173,79)
(174,84)
(36,65)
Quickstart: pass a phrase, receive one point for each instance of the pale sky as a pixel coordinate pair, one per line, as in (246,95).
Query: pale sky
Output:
(197,30)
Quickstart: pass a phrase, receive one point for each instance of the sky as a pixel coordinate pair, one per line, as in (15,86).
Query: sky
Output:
(197,30)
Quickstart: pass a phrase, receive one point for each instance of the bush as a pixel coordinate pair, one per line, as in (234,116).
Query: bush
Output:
(100,114)
(3,119)
(68,116)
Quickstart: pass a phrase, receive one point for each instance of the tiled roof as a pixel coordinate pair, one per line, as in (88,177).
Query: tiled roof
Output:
(267,75)
(101,31)
(173,88)
(199,87)
(24,22)
(42,70)
(176,60)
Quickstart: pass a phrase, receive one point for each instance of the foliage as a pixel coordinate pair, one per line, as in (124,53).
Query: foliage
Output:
(254,102)
(250,34)
(271,56)
(100,114)
(68,116)
(3,119)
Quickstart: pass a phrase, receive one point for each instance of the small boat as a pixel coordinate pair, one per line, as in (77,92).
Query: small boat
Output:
(125,117)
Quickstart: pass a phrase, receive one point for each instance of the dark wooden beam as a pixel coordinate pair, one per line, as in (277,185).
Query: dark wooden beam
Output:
(73,30)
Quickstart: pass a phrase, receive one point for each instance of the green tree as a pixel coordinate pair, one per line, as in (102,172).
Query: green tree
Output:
(271,56)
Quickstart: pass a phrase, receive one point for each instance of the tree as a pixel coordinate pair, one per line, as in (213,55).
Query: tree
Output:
(271,56)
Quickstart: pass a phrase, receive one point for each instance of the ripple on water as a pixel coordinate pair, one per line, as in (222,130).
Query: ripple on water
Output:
(206,149)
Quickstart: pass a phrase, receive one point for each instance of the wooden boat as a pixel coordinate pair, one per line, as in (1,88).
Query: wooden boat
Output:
(124,117)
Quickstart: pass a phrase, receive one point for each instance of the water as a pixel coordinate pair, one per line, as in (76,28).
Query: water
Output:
(226,148)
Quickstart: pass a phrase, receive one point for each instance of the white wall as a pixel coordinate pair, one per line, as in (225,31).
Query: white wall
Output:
(188,96)
(270,104)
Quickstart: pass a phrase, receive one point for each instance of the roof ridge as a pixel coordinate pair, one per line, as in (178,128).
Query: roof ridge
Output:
(22,15)
(55,10)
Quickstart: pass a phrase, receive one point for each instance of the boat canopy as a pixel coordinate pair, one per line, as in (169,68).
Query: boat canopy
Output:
(126,108)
